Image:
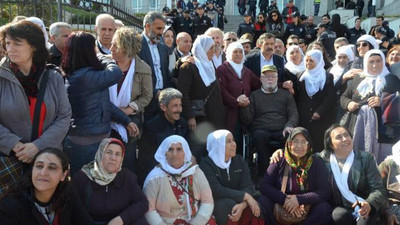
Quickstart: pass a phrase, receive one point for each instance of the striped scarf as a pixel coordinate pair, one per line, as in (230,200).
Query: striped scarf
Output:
(300,167)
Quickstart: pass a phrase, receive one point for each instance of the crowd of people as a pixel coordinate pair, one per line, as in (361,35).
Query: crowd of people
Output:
(186,124)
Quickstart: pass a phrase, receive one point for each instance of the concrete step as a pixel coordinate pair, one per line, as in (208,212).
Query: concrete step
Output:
(391,9)
(233,22)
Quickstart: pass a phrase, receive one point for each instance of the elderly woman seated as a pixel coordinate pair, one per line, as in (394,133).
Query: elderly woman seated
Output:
(111,194)
(230,182)
(177,190)
(307,182)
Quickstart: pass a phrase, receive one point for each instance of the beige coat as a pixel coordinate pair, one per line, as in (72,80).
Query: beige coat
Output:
(142,90)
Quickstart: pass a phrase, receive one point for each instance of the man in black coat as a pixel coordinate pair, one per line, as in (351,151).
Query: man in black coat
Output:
(266,56)
(168,122)
(59,32)
(355,32)
(183,23)
(156,56)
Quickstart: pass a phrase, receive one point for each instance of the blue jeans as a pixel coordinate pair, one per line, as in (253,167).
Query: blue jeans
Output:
(79,155)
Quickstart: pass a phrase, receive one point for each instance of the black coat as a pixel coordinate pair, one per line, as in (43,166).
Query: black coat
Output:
(323,102)
(19,209)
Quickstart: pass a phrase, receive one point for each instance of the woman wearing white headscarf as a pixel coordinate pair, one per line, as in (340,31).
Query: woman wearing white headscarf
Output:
(177,190)
(315,98)
(390,170)
(344,58)
(198,82)
(295,64)
(230,181)
(237,82)
(364,44)
(367,89)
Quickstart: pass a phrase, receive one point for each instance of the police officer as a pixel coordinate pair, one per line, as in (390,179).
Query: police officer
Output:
(245,27)
(295,27)
(183,23)
(327,38)
(201,22)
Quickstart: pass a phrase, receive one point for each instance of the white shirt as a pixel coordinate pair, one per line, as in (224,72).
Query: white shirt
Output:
(155,55)
(217,60)
(104,49)
(265,62)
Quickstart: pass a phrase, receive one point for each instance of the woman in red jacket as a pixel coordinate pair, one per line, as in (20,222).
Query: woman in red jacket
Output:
(236,81)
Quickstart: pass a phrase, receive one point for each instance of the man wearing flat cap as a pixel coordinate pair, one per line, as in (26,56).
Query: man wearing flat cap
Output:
(272,115)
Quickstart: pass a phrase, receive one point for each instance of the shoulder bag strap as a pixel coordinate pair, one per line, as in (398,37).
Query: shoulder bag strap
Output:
(208,96)
(285,178)
(38,106)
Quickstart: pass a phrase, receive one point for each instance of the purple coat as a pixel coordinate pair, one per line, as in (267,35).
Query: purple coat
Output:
(319,189)
(232,87)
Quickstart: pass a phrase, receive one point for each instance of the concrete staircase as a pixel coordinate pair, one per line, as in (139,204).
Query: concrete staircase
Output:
(233,22)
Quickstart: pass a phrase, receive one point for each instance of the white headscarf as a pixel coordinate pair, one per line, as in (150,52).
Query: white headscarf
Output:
(40,23)
(396,153)
(216,148)
(201,46)
(366,86)
(336,70)
(315,78)
(162,159)
(293,68)
(368,38)
(229,53)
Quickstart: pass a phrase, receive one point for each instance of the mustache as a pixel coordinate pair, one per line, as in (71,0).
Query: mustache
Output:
(269,49)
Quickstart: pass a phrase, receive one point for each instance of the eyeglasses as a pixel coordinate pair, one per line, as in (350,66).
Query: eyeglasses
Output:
(292,43)
(231,39)
(296,142)
(362,44)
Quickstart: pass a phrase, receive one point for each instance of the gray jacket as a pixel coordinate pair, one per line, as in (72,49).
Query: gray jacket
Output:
(15,120)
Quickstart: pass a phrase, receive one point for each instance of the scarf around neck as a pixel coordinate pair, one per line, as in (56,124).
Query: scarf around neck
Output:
(314,79)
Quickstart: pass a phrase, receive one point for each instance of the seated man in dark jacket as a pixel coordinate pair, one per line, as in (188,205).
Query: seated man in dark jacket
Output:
(165,124)
(272,121)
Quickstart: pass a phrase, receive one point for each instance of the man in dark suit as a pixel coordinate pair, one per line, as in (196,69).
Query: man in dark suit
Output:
(156,56)
(265,57)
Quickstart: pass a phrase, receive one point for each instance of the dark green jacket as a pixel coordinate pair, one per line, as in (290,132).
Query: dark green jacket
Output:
(233,187)
(364,179)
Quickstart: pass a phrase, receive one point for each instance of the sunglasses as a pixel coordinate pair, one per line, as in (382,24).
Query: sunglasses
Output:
(231,39)
(363,44)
